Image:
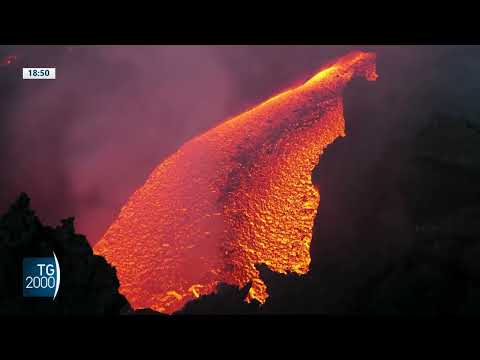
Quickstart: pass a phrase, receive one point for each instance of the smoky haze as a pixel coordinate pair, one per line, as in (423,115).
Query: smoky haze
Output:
(81,144)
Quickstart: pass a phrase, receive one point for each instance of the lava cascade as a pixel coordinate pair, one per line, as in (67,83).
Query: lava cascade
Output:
(236,195)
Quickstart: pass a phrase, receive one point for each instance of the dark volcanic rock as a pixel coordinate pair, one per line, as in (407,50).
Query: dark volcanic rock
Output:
(439,274)
(89,285)
(228,300)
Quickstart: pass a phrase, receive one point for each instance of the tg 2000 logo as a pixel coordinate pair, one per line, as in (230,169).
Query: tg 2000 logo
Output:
(41,276)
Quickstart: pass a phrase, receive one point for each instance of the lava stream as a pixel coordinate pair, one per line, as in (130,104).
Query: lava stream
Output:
(237,195)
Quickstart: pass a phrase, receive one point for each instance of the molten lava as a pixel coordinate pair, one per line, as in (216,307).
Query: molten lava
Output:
(237,195)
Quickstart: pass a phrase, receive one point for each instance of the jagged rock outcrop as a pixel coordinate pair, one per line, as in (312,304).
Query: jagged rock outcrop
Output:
(89,285)
(227,300)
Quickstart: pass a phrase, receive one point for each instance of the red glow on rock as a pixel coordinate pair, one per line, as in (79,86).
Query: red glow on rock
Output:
(8,60)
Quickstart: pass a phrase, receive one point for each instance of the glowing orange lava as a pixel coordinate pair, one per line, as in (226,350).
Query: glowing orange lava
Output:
(237,195)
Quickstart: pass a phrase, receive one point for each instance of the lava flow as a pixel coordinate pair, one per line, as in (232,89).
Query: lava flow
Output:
(237,195)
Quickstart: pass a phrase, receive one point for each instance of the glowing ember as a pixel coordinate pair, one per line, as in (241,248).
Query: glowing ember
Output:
(238,195)
(8,60)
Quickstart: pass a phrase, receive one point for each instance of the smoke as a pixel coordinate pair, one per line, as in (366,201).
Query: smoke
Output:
(81,144)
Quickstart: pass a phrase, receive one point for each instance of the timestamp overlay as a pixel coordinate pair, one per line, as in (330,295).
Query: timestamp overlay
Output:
(39,73)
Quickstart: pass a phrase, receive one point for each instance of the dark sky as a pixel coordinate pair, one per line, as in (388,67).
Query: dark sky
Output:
(81,144)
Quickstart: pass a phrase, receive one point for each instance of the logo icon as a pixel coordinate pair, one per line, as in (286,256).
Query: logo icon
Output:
(41,277)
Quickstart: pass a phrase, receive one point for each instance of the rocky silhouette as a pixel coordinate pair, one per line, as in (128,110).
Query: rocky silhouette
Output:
(89,285)
(227,300)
